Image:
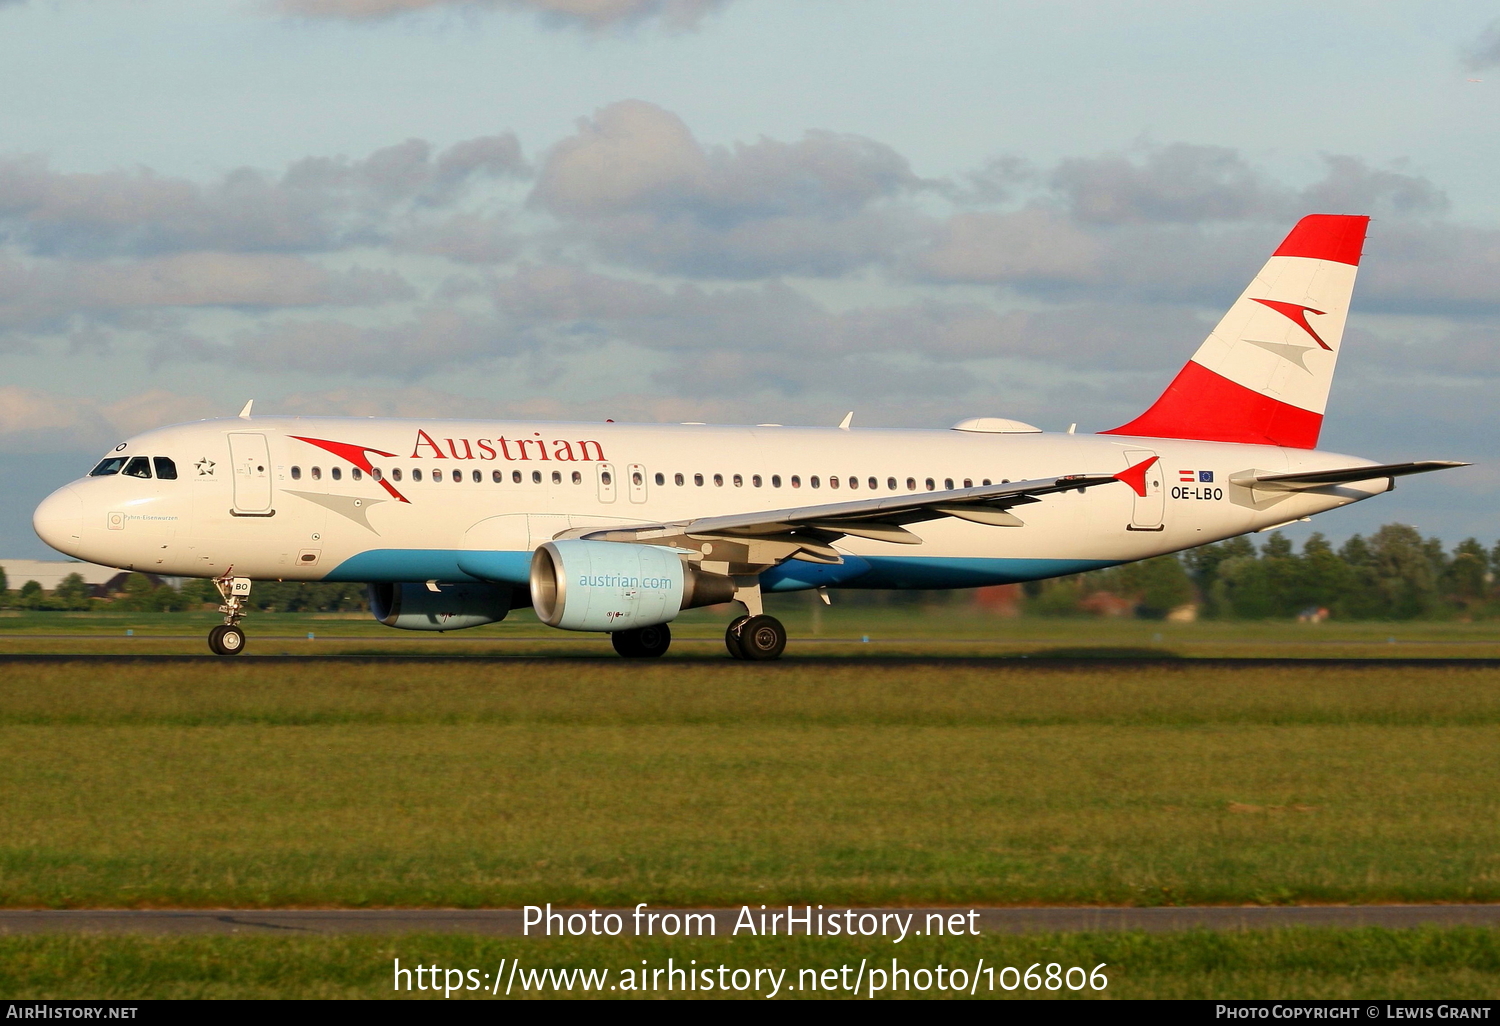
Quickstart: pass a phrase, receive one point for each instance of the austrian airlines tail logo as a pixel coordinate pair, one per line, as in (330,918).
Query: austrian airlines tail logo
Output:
(1297,314)
(355,454)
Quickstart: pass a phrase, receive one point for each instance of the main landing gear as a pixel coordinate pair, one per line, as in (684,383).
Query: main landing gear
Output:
(755,638)
(228,639)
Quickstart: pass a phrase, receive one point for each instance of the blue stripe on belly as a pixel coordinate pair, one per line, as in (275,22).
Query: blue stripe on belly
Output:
(855,572)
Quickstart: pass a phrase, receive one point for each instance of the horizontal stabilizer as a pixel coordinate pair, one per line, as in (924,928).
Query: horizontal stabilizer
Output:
(1345,475)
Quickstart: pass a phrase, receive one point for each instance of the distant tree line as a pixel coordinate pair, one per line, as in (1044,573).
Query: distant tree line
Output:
(141,593)
(1395,574)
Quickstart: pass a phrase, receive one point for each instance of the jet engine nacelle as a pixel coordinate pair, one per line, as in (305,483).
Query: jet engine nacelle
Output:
(616,586)
(416,607)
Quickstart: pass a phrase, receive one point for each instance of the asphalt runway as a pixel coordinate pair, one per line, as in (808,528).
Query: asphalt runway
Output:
(508,922)
(1040,660)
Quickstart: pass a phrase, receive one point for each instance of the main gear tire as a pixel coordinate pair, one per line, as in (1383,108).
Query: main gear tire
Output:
(732,636)
(762,638)
(643,642)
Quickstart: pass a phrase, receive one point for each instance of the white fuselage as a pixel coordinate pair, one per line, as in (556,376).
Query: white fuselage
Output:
(250,497)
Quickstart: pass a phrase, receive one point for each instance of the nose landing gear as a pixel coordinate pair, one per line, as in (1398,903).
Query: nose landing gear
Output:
(228,639)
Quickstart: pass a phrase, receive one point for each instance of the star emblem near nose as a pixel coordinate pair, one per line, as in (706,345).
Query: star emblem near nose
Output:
(205,467)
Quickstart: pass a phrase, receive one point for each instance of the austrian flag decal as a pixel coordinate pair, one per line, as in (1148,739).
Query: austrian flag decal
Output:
(1196,476)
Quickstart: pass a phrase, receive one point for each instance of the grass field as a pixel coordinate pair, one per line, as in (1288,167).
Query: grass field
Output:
(835,781)
(1339,964)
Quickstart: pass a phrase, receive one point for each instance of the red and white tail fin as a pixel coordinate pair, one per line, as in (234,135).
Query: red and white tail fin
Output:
(1262,375)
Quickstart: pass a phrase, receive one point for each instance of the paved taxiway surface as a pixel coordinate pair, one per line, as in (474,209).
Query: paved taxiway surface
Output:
(1040,661)
(508,922)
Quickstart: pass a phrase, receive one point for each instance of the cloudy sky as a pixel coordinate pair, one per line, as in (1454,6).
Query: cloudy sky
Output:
(731,211)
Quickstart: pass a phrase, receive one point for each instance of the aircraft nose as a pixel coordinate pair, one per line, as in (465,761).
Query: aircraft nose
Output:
(58,521)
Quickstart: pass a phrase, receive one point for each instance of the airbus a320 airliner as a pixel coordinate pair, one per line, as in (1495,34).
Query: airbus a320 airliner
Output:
(618,528)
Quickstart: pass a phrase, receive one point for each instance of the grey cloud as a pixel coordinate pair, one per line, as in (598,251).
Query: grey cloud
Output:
(1484,52)
(1036,246)
(591,14)
(1177,183)
(463,238)
(1354,187)
(771,332)
(1431,268)
(317,204)
(35,421)
(46,295)
(1188,184)
(637,183)
(433,340)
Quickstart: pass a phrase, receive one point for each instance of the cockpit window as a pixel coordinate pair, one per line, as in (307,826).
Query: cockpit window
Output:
(108,465)
(139,466)
(166,470)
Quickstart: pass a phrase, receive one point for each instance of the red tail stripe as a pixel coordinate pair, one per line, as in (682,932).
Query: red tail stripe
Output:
(1205,406)
(1338,237)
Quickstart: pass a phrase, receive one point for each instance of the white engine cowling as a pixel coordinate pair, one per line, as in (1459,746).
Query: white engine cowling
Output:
(616,586)
(453,607)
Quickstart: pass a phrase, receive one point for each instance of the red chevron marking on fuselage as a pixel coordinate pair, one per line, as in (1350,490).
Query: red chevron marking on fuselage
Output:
(355,454)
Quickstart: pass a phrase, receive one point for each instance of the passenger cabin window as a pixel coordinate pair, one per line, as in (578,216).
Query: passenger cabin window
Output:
(755,480)
(968,483)
(698,480)
(874,484)
(496,476)
(948,483)
(109,465)
(608,478)
(911,484)
(375,473)
(931,485)
(739,482)
(336,473)
(138,466)
(677,478)
(636,478)
(718,480)
(515,477)
(578,477)
(536,477)
(775,480)
(557,477)
(416,473)
(478,477)
(458,476)
(661,478)
(296,473)
(166,470)
(395,473)
(354,473)
(890,483)
(317,473)
(796,481)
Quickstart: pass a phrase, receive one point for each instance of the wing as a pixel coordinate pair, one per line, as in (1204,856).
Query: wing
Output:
(1322,478)
(750,540)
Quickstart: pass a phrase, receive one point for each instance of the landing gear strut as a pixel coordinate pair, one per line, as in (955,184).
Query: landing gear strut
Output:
(643,642)
(227,638)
